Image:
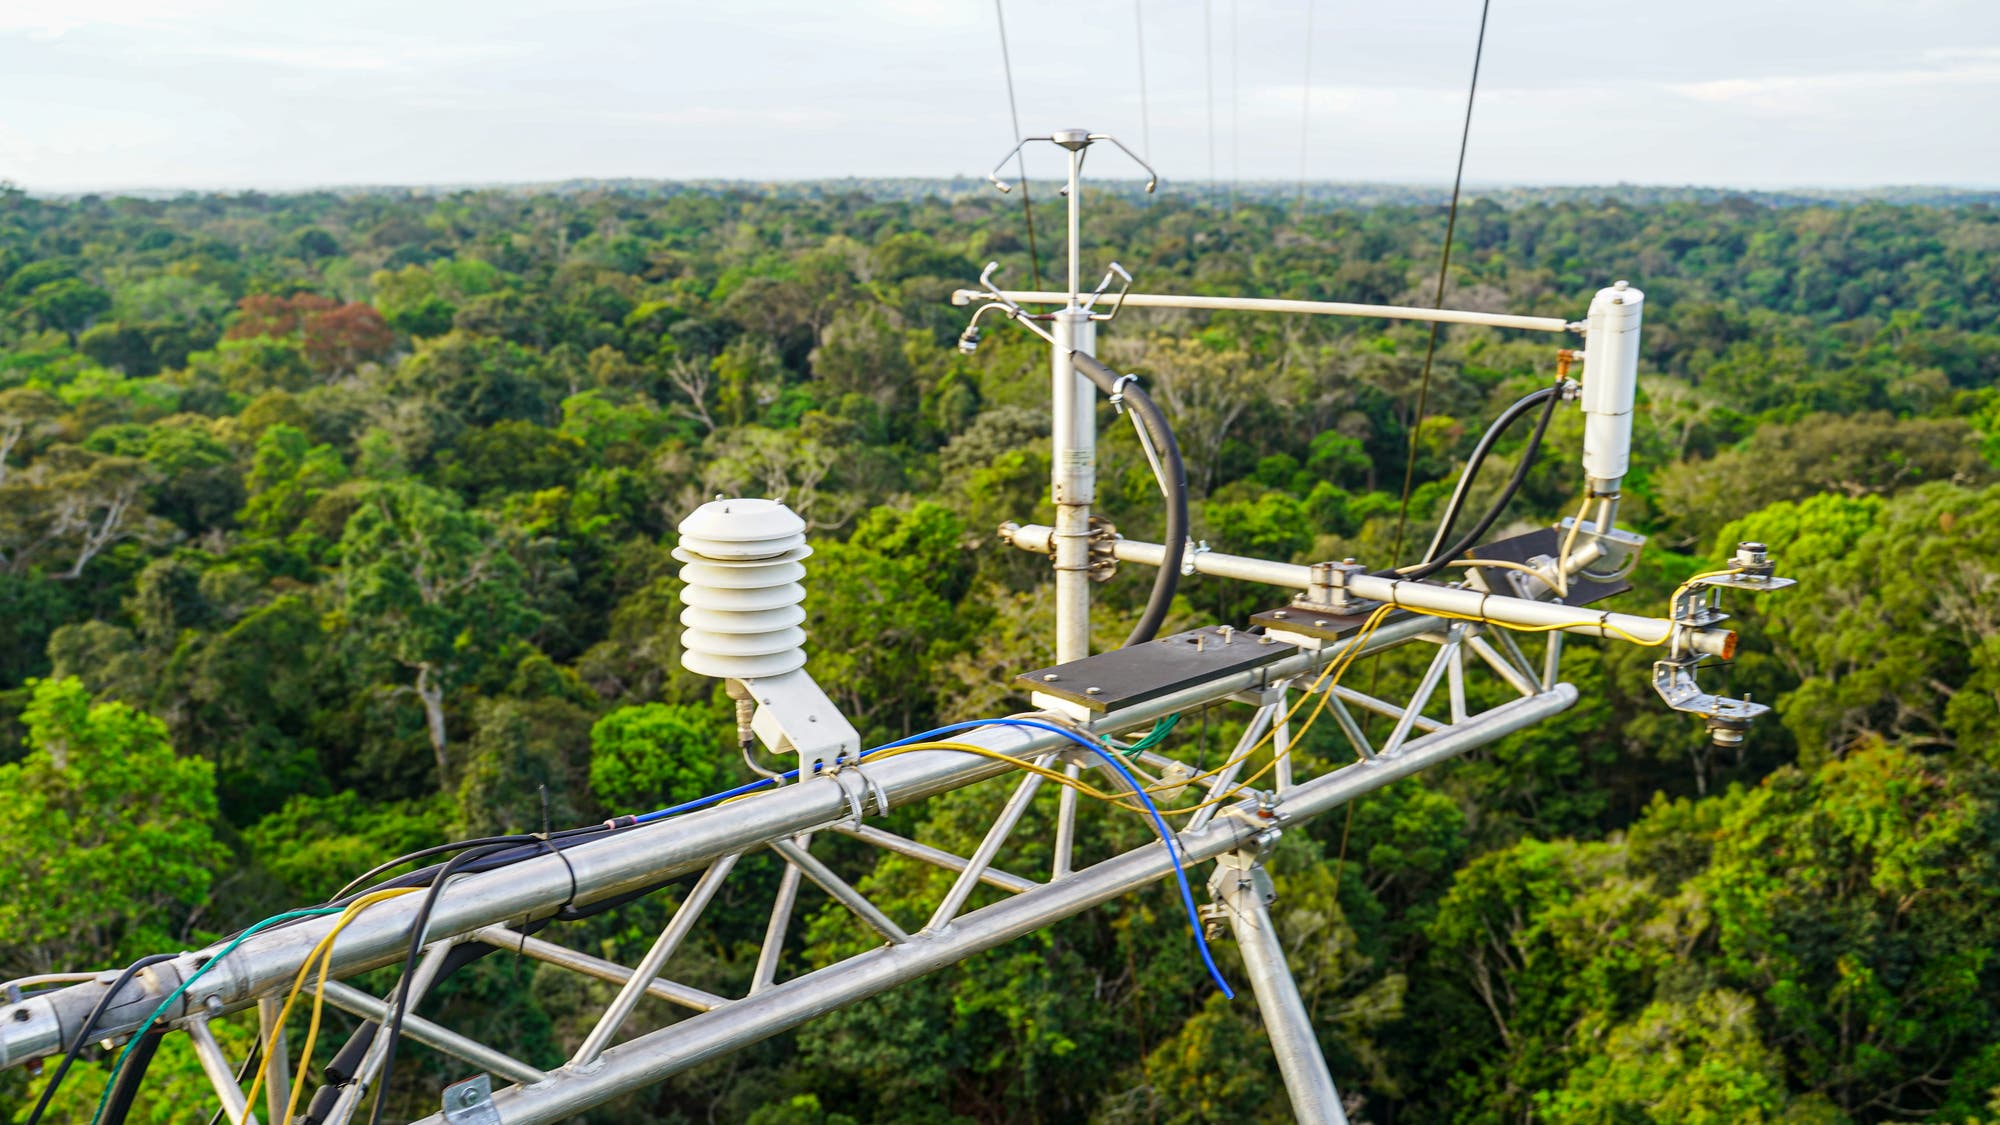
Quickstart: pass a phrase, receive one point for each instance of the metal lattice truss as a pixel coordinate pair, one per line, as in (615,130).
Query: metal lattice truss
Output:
(495,906)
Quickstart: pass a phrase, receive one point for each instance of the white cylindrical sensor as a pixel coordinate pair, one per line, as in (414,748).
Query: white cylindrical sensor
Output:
(1610,384)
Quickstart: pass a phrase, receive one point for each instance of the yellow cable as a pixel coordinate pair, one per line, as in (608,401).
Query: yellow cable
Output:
(1337,668)
(1344,657)
(1562,556)
(1689,584)
(1502,564)
(323,950)
(319,1001)
(1600,625)
(1056,776)
(1328,678)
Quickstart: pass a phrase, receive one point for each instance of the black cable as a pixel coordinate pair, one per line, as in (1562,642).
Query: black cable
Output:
(346,1064)
(401,1001)
(1173,474)
(1444,269)
(1499,505)
(346,893)
(75,1050)
(1487,440)
(125,1084)
(1021,161)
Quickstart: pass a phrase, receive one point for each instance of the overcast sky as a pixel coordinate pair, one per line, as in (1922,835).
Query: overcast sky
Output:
(237,93)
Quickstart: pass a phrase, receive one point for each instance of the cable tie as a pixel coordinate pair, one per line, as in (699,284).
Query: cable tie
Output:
(571,900)
(1118,392)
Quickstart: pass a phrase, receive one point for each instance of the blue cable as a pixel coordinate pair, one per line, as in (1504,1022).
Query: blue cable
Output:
(1159,822)
(1166,835)
(186,984)
(712,798)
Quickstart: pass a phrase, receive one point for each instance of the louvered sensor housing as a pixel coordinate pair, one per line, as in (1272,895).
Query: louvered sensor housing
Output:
(742,569)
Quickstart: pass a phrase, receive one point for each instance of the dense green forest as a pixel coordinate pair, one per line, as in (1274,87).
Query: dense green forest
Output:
(332,526)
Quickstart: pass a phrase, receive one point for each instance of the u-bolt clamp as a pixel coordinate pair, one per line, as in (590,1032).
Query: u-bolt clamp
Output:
(858,793)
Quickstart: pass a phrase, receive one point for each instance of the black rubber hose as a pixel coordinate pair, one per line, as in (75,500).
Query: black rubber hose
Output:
(1500,425)
(83,1033)
(1174,481)
(125,1085)
(1485,524)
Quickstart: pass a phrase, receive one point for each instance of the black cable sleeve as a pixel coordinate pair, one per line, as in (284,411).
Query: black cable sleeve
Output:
(1174,473)
(1506,497)
(321,1106)
(347,1061)
(1500,425)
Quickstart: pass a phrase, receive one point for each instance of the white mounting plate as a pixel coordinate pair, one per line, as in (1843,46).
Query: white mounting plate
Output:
(794,715)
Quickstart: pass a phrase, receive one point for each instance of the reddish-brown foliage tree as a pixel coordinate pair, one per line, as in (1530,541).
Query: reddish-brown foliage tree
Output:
(339,340)
(336,338)
(276,317)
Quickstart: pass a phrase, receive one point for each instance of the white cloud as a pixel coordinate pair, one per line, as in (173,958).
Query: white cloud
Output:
(733,116)
(378,56)
(1808,93)
(44,19)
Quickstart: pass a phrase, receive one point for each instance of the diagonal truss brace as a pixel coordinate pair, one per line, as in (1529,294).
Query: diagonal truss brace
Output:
(652,1057)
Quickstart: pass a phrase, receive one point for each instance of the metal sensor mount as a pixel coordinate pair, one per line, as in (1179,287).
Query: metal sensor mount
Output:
(1728,720)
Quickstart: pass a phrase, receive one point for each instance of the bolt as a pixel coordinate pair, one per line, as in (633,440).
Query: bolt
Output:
(1093,691)
(1319,624)
(1049,677)
(469,1096)
(1279,614)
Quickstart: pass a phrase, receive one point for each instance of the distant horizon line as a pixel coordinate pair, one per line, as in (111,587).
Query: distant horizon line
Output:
(957,184)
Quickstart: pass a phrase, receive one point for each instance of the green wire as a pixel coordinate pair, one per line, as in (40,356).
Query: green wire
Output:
(197,975)
(1153,737)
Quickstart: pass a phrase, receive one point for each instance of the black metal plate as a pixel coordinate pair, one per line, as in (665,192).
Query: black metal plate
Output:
(1123,677)
(1519,549)
(1318,624)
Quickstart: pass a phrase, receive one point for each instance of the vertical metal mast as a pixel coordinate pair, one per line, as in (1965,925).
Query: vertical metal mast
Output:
(1242,889)
(1073,400)
(1073,476)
